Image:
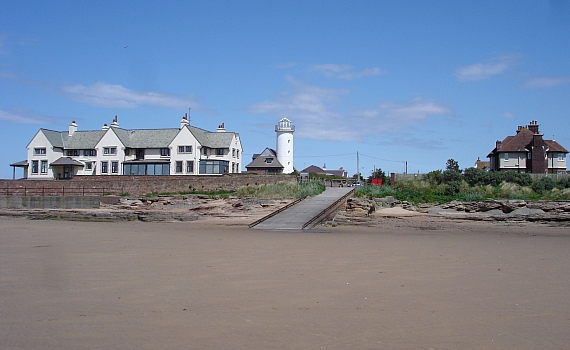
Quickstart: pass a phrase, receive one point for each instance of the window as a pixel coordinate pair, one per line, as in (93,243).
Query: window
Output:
(214,166)
(114,167)
(165,152)
(560,157)
(146,169)
(184,149)
(237,153)
(104,167)
(89,153)
(178,166)
(219,151)
(72,152)
(269,160)
(44,167)
(109,150)
(205,151)
(233,152)
(506,157)
(528,155)
(39,151)
(190,167)
(88,165)
(34,166)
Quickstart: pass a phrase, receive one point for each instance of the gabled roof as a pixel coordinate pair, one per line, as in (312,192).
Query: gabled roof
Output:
(523,141)
(55,138)
(315,169)
(260,162)
(67,161)
(266,152)
(517,143)
(554,146)
(84,139)
(146,138)
(137,138)
(212,139)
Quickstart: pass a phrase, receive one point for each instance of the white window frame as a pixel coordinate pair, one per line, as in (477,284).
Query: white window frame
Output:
(44,166)
(109,151)
(40,151)
(506,157)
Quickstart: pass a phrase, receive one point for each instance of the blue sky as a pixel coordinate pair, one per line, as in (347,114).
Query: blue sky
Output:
(397,81)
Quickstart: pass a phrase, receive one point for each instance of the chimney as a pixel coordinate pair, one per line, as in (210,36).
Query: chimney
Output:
(325,166)
(533,126)
(105,127)
(221,128)
(115,123)
(519,128)
(184,122)
(72,128)
(498,145)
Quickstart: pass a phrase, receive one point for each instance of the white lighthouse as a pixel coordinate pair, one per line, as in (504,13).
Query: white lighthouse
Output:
(285,130)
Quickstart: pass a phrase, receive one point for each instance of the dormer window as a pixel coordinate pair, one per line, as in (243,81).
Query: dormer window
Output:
(165,152)
(109,150)
(268,160)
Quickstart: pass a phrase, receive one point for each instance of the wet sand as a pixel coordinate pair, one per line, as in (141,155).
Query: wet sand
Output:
(406,283)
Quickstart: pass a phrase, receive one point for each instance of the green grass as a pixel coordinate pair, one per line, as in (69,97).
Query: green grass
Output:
(281,190)
(421,191)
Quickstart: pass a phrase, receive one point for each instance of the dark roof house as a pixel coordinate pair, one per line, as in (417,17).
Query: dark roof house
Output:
(265,163)
(324,171)
(528,152)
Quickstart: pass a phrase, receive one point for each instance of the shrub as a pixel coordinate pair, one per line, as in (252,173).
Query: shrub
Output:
(542,184)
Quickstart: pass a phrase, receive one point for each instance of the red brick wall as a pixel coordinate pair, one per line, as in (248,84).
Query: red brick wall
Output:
(136,185)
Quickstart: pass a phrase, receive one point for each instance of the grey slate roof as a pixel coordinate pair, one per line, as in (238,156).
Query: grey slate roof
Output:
(137,138)
(259,162)
(67,161)
(56,138)
(83,139)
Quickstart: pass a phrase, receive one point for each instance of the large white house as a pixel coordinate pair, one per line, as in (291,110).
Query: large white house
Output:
(186,150)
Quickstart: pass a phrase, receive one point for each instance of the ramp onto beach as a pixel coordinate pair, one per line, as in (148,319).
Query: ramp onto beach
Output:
(306,213)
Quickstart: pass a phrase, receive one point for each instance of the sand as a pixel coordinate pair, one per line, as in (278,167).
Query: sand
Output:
(404,283)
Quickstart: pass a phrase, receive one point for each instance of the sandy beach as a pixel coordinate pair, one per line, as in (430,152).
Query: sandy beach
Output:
(401,283)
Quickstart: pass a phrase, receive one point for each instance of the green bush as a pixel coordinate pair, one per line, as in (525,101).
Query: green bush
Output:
(543,184)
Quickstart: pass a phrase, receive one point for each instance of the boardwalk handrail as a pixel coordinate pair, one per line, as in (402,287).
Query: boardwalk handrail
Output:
(257,222)
(312,222)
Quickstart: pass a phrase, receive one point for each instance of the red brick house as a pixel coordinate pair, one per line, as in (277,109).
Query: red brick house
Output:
(528,152)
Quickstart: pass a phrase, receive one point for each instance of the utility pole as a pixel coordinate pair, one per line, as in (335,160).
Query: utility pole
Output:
(357,166)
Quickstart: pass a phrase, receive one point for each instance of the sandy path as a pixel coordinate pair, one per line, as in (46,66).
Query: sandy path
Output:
(134,285)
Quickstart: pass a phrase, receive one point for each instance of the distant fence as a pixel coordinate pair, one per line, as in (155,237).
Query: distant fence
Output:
(403,177)
(57,191)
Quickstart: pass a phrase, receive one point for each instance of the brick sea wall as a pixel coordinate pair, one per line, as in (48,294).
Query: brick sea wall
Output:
(136,185)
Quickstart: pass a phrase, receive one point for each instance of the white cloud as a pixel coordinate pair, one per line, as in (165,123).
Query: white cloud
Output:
(400,115)
(345,71)
(509,115)
(482,71)
(319,114)
(117,96)
(22,117)
(546,82)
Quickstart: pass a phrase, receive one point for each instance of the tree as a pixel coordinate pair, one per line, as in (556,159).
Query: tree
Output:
(452,165)
(378,174)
